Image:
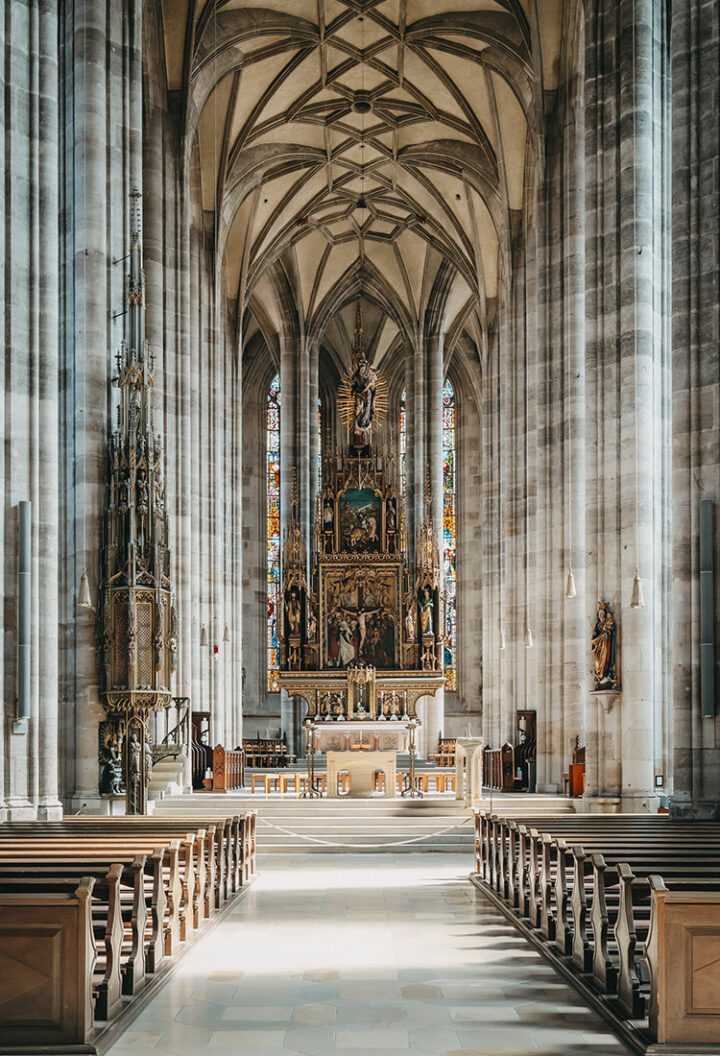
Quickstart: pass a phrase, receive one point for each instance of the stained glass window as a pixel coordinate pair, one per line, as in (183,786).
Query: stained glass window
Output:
(272,448)
(403,442)
(449,536)
(320,442)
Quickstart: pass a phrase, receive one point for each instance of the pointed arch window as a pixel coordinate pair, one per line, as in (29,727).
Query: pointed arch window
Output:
(449,553)
(272,536)
(402,435)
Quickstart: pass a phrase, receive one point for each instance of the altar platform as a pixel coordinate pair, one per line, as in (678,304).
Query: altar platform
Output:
(289,825)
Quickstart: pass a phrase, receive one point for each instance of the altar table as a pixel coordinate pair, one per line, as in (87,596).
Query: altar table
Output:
(361,766)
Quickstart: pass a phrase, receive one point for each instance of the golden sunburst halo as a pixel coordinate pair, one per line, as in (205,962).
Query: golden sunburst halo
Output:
(346,399)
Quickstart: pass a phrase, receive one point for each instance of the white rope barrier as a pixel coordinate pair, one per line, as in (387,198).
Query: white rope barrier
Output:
(364,846)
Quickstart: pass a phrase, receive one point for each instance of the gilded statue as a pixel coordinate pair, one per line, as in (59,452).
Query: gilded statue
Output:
(427,606)
(293,612)
(603,648)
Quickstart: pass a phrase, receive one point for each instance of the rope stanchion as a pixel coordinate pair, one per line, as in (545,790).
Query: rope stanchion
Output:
(364,846)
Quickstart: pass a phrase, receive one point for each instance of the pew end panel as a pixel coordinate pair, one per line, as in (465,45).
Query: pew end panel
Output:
(47,957)
(683,954)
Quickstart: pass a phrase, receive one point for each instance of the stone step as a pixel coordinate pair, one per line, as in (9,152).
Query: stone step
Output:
(375,825)
(166,779)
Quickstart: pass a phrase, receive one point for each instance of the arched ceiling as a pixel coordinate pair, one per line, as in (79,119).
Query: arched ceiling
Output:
(356,143)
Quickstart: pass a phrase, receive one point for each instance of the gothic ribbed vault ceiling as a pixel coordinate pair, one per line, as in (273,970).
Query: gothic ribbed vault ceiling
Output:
(381,144)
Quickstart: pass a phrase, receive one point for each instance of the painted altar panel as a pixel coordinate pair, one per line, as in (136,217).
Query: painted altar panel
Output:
(360,521)
(360,608)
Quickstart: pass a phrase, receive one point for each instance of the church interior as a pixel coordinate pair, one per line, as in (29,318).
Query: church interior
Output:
(361,419)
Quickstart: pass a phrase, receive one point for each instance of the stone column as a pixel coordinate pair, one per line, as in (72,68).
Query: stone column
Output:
(434,428)
(5,716)
(641,354)
(416,440)
(194,462)
(626,357)
(306,426)
(575,638)
(288,459)
(89,337)
(46,557)
(29,772)
(434,710)
(187,616)
(313,452)
(696,391)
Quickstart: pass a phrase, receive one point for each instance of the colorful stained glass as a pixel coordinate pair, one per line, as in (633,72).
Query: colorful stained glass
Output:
(449,535)
(272,448)
(319,441)
(403,443)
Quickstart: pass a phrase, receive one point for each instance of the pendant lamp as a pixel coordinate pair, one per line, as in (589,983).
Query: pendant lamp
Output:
(637,600)
(570,591)
(83,599)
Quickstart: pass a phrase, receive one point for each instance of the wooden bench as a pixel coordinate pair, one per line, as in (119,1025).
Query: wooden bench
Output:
(592,888)
(225,845)
(150,884)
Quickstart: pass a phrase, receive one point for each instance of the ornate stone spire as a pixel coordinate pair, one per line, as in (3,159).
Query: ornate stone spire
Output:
(138,631)
(359,352)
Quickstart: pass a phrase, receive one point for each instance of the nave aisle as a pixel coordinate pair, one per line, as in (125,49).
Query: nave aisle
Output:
(365,956)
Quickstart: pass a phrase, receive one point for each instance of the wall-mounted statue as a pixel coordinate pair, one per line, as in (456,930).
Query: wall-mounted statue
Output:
(427,609)
(604,648)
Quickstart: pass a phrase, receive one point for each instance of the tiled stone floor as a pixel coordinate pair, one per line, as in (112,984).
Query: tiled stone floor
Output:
(365,956)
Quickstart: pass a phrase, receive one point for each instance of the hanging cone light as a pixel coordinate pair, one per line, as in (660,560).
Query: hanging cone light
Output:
(637,601)
(226,634)
(528,638)
(83,598)
(502,637)
(203,635)
(570,591)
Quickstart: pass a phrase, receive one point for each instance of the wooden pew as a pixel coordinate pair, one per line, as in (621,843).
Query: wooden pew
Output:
(48,933)
(224,845)
(585,885)
(155,881)
(682,951)
(167,907)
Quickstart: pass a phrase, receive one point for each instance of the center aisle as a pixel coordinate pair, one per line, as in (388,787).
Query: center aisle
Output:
(365,955)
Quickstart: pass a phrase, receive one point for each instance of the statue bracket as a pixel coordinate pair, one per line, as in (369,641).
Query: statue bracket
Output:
(607,697)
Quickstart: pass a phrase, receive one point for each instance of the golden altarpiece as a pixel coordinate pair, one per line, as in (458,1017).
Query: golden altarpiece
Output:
(361,631)
(136,617)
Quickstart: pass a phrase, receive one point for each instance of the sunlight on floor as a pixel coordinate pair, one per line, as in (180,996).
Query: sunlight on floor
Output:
(359,955)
